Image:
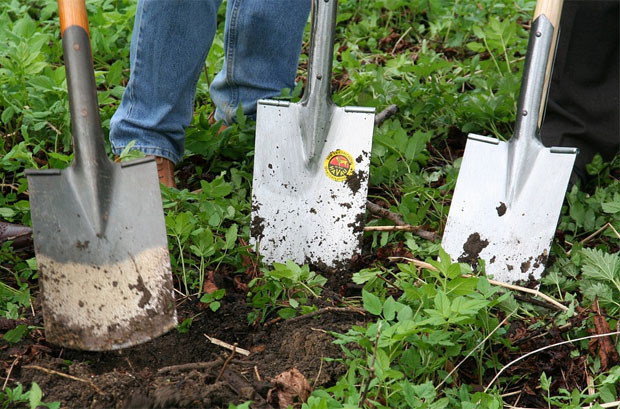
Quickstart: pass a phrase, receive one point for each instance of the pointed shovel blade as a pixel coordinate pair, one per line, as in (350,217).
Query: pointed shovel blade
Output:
(105,278)
(510,230)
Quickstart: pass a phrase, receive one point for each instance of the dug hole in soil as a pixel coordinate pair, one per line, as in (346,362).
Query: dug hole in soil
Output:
(186,370)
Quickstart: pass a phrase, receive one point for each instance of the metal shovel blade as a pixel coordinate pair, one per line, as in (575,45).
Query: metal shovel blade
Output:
(311,166)
(98,226)
(103,260)
(310,213)
(508,195)
(512,236)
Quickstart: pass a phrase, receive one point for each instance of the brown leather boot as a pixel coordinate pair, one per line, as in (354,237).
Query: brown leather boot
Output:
(165,171)
(212,121)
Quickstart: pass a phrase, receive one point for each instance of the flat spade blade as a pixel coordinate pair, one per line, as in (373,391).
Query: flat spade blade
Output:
(105,281)
(514,235)
(311,166)
(509,195)
(310,212)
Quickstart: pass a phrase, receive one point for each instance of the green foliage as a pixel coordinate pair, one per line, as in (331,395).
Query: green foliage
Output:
(437,320)
(16,397)
(288,289)
(452,67)
(213,299)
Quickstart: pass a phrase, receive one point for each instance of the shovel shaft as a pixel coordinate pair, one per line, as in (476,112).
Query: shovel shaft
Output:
(88,138)
(316,105)
(318,88)
(537,70)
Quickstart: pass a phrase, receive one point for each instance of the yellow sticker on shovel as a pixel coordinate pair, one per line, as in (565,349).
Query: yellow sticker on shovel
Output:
(339,165)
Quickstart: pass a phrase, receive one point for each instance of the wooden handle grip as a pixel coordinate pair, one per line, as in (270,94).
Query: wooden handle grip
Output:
(72,13)
(552,9)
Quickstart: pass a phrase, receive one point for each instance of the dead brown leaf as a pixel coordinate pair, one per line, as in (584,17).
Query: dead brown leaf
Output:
(606,349)
(209,286)
(290,388)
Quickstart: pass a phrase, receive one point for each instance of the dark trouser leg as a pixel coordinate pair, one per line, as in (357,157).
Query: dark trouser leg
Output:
(584,98)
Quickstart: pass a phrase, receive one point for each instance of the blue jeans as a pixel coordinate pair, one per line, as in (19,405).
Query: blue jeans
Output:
(169,44)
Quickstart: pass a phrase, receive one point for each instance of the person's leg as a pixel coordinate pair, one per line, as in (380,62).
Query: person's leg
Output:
(262,45)
(584,99)
(169,44)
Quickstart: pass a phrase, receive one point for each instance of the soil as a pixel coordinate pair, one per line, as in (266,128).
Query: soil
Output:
(186,370)
(472,248)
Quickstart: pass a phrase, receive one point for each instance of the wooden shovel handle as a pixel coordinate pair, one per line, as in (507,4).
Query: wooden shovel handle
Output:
(552,10)
(72,13)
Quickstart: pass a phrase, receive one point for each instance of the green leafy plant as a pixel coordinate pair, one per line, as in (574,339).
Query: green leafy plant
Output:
(287,289)
(10,397)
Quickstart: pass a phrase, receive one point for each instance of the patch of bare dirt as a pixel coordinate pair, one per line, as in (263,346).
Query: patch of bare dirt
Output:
(186,370)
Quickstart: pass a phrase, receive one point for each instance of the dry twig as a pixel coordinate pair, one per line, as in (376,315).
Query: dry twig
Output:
(570,341)
(64,375)
(475,349)
(189,367)
(232,354)
(323,311)
(536,293)
(226,345)
(8,373)
(398,221)
(382,116)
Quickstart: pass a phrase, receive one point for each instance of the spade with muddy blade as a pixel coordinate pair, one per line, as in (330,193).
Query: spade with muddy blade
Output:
(98,226)
(311,165)
(508,195)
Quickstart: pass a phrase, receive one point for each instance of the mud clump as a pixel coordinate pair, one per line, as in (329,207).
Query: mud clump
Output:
(472,248)
(525,266)
(355,181)
(257,226)
(501,209)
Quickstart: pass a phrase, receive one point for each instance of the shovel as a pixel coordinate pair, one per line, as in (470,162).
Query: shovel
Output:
(311,166)
(508,195)
(98,226)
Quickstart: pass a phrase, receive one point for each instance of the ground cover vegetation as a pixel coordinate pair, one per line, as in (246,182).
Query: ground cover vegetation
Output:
(404,327)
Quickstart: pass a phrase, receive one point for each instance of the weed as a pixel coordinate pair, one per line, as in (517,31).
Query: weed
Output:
(287,289)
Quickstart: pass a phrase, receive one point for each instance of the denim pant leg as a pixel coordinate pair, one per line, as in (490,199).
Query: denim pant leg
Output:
(263,41)
(169,44)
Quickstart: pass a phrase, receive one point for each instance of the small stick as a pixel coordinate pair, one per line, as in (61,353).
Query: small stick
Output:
(8,374)
(406,227)
(614,230)
(401,39)
(593,235)
(536,293)
(473,350)
(226,345)
(64,375)
(380,211)
(189,367)
(10,186)
(324,310)
(391,284)
(53,128)
(258,378)
(382,116)
(570,341)
(316,379)
(398,220)
(372,367)
(226,363)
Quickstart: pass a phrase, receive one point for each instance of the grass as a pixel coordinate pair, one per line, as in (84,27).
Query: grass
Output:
(452,67)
